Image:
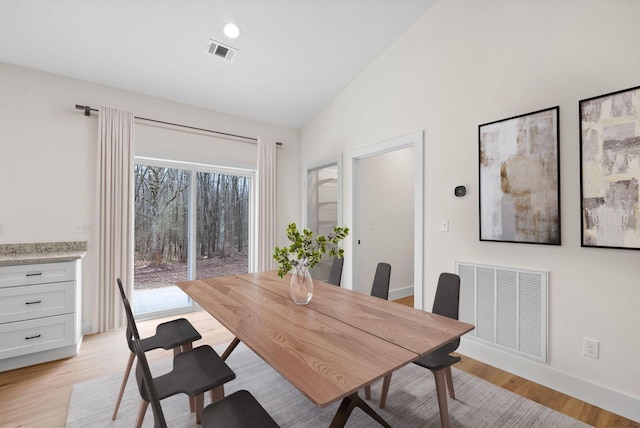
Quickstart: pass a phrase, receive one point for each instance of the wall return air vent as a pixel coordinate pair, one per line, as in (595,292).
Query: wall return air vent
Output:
(508,306)
(221,50)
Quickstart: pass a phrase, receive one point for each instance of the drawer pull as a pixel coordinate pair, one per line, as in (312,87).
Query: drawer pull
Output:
(33,303)
(32,337)
(34,274)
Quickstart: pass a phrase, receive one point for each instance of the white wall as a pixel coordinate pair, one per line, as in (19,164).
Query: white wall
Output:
(385,189)
(48,154)
(465,63)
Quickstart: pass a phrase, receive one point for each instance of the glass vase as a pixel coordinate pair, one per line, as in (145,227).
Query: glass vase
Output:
(301,288)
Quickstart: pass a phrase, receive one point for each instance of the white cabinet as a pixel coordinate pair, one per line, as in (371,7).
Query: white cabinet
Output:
(40,316)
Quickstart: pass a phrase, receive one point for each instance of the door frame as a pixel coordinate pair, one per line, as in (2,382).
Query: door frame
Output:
(415,140)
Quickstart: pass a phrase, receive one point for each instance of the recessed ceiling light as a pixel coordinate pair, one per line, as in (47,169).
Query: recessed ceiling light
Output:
(231,30)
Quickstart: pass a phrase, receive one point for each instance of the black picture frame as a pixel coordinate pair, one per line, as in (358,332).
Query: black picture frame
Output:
(610,170)
(519,178)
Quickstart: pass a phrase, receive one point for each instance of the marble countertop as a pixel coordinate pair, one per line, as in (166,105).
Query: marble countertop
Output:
(41,252)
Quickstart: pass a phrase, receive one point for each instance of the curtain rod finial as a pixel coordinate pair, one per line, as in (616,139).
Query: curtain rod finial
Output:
(87,109)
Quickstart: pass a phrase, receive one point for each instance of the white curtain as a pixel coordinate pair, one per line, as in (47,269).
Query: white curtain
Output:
(266,203)
(115,219)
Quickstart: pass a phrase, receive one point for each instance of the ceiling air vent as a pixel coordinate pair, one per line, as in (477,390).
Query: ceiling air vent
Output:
(221,50)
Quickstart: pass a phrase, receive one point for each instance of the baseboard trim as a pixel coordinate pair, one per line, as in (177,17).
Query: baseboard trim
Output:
(613,401)
(87,328)
(399,293)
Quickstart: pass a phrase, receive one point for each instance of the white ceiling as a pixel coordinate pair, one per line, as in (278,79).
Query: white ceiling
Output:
(294,56)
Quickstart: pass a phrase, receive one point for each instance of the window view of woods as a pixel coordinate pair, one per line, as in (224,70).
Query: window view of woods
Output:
(222,232)
(163,207)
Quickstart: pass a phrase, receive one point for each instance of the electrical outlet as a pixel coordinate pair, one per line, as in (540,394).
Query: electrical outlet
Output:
(82,228)
(591,348)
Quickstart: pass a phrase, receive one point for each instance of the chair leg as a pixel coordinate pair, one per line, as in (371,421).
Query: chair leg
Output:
(441,389)
(447,374)
(217,393)
(199,405)
(385,390)
(132,357)
(141,411)
(367,392)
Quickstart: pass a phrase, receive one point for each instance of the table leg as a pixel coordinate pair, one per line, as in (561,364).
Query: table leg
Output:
(347,406)
(230,348)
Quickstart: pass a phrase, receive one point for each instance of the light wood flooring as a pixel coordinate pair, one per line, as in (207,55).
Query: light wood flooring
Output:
(38,396)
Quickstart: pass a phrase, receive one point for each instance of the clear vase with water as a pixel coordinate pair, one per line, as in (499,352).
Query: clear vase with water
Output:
(301,288)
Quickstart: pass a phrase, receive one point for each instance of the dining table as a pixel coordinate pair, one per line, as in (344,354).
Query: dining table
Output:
(332,347)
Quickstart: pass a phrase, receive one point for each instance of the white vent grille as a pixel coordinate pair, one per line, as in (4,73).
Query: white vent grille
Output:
(221,50)
(507,306)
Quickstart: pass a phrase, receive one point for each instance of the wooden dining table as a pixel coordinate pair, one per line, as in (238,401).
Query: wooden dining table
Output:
(330,348)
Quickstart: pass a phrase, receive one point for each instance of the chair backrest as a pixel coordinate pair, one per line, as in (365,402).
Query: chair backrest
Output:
(128,330)
(447,303)
(143,372)
(335,276)
(380,287)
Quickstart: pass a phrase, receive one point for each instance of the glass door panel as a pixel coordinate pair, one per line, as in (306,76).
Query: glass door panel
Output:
(222,230)
(161,239)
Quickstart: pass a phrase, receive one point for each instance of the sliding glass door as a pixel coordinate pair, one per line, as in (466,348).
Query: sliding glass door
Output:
(191,222)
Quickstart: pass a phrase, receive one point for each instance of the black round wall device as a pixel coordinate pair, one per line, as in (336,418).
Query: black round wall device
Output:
(460,191)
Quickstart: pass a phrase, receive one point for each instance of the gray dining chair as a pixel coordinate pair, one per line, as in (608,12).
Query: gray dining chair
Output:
(177,334)
(238,410)
(380,287)
(446,303)
(335,276)
(195,371)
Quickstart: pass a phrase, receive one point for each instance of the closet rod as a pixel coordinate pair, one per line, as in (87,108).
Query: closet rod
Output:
(88,110)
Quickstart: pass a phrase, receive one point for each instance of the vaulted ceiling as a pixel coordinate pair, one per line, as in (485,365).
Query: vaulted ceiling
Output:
(294,56)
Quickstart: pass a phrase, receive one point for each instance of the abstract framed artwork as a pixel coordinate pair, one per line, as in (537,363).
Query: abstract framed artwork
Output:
(610,170)
(520,178)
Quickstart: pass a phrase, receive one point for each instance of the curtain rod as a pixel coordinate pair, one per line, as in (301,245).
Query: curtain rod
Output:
(88,110)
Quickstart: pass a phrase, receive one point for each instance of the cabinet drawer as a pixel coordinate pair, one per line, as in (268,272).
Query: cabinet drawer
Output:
(36,301)
(12,276)
(24,337)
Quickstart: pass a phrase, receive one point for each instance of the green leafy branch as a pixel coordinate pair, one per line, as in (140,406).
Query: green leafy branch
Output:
(305,250)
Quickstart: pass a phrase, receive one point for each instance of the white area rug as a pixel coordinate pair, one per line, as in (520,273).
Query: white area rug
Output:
(411,402)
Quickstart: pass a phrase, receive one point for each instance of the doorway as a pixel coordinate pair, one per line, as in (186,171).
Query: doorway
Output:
(381,207)
(322,205)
